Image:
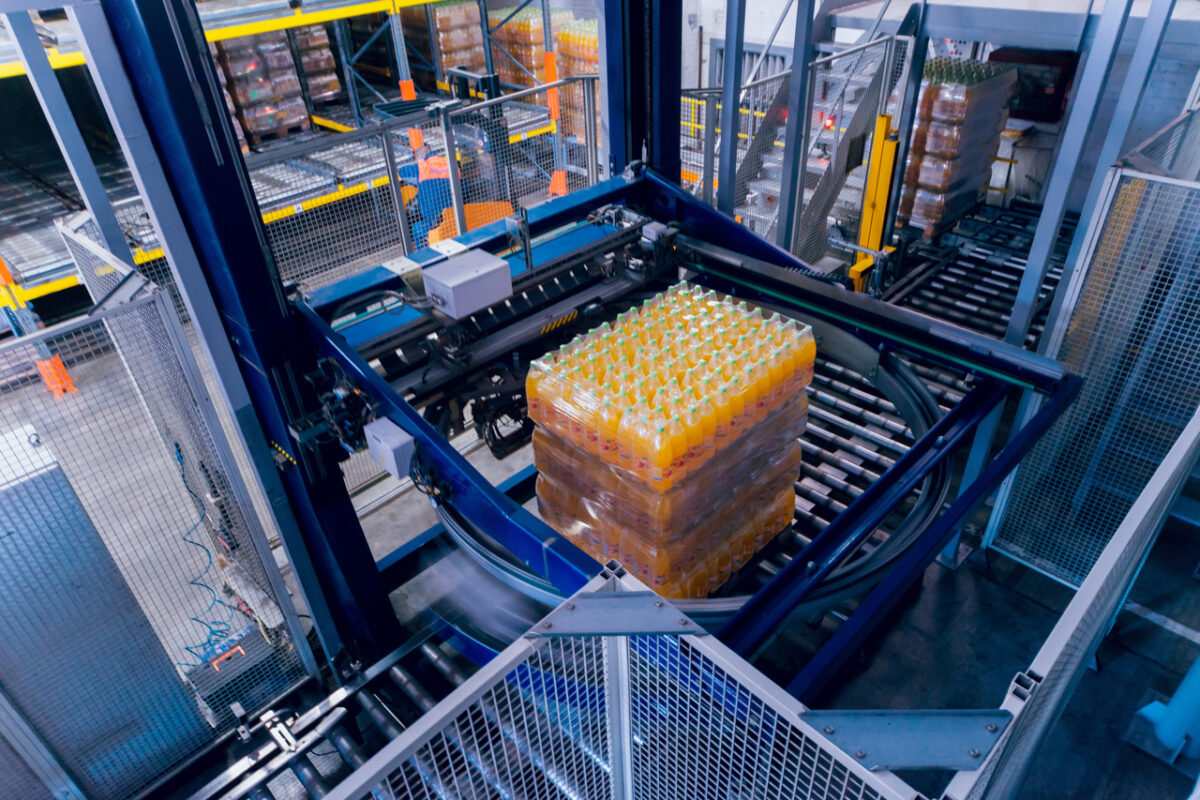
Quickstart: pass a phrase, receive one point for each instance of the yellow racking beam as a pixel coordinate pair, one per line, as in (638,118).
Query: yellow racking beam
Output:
(298,18)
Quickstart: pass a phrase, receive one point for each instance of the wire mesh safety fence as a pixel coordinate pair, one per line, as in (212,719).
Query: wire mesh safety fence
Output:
(1134,335)
(128,633)
(847,91)
(762,114)
(1039,695)
(521,151)
(583,715)
(697,139)
(1175,150)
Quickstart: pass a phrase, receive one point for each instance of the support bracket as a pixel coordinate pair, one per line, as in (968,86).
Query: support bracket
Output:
(615,614)
(919,739)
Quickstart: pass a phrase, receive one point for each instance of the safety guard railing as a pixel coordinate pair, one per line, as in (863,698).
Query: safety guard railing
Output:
(616,694)
(1037,696)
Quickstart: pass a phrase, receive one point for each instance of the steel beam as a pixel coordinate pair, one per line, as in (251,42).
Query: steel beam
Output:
(795,141)
(731,89)
(66,132)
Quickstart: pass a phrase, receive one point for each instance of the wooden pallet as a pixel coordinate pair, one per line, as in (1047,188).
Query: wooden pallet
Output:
(282,132)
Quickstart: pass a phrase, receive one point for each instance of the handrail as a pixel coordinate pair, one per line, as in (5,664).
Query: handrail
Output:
(529,92)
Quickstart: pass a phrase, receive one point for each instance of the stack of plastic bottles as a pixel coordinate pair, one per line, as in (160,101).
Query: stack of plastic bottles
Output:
(456,30)
(261,79)
(668,439)
(523,37)
(578,48)
(961,112)
(317,63)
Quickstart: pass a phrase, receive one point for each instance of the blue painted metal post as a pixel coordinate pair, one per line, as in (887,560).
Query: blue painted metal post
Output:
(731,90)
(615,114)
(666,21)
(795,141)
(66,131)
(341,35)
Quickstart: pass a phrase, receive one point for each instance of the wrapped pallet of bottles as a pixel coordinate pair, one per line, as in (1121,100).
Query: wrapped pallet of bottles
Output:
(668,440)
(961,112)
(522,36)
(456,32)
(262,81)
(578,49)
(318,64)
(237,126)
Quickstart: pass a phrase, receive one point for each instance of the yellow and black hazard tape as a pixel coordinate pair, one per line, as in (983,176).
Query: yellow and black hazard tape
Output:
(283,452)
(558,323)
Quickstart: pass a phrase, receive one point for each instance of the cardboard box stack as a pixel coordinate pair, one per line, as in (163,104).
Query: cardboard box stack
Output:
(457,31)
(318,64)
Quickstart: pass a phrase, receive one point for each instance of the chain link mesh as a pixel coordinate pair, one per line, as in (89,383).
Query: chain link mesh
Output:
(1134,336)
(124,465)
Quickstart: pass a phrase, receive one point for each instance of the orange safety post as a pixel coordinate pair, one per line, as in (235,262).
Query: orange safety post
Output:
(551,77)
(407,90)
(558,183)
(54,375)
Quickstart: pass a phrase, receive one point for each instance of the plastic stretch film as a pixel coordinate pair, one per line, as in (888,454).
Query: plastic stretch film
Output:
(668,439)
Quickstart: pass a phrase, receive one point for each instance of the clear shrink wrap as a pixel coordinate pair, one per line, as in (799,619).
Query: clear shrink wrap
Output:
(668,440)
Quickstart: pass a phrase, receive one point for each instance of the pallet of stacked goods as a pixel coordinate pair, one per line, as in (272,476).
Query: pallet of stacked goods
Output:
(578,53)
(262,81)
(668,440)
(522,37)
(237,126)
(456,32)
(961,112)
(318,64)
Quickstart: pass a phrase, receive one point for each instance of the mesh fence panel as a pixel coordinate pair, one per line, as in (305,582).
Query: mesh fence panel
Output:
(20,782)
(761,128)
(646,716)
(126,469)
(332,212)
(1176,150)
(1135,337)
(699,732)
(846,93)
(519,153)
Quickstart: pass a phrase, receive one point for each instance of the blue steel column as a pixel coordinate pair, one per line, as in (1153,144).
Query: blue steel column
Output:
(795,159)
(731,90)
(116,95)
(666,72)
(66,131)
(615,114)
(167,61)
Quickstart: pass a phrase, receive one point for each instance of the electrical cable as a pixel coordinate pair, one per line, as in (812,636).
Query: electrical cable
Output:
(217,630)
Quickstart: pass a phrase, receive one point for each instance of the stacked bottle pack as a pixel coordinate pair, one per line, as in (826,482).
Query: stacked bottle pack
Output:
(668,440)
(318,64)
(237,126)
(523,37)
(962,109)
(578,53)
(262,82)
(456,31)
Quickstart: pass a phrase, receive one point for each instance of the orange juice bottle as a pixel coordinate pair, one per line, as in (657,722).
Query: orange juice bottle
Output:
(708,426)
(661,458)
(738,419)
(680,463)
(723,408)
(608,422)
(693,423)
(627,436)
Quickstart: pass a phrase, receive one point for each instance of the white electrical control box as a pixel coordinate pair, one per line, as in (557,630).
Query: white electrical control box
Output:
(390,446)
(468,282)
